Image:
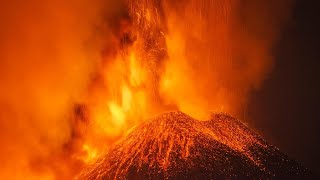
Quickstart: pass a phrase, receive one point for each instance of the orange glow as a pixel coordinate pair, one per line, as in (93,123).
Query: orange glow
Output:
(91,154)
(77,76)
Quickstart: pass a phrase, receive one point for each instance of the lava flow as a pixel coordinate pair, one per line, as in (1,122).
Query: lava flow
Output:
(77,76)
(175,146)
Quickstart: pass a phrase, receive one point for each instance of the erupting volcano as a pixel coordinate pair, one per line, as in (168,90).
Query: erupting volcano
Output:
(77,76)
(175,146)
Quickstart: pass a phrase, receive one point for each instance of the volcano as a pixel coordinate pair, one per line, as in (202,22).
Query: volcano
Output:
(174,145)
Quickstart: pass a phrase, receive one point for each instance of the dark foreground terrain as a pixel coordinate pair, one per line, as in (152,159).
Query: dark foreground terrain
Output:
(176,146)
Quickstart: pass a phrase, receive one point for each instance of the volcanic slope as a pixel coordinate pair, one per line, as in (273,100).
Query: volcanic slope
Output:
(176,146)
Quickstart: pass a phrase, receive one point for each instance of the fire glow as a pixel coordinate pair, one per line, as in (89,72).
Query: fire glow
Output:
(77,76)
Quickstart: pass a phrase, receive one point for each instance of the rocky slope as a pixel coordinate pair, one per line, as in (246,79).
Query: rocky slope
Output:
(176,146)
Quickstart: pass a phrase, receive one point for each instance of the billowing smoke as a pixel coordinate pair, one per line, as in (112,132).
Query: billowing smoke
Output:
(74,73)
(47,56)
(219,51)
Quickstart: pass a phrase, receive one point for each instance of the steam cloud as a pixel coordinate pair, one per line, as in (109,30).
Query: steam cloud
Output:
(52,53)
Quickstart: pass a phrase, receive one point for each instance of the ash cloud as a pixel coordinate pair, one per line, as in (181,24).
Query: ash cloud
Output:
(219,52)
(48,55)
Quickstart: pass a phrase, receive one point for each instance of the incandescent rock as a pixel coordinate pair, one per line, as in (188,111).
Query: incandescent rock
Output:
(176,146)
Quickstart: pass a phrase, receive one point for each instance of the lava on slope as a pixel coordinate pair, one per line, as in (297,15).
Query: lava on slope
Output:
(175,146)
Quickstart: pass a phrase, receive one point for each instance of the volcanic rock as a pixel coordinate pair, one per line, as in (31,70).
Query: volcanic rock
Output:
(175,146)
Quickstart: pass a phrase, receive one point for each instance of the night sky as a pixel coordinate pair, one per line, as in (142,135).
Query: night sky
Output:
(286,110)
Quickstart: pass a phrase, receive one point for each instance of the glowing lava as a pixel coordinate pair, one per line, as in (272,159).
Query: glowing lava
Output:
(175,146)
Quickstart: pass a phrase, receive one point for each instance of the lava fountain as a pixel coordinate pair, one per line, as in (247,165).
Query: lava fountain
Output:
(90,73)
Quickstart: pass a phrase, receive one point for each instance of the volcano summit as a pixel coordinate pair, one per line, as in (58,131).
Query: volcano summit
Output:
(175,146)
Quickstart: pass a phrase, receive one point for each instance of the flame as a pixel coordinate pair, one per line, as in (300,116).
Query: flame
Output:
(74,82)
(91,154)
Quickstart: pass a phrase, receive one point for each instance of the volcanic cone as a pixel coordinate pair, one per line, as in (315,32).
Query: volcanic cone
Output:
(175,146)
